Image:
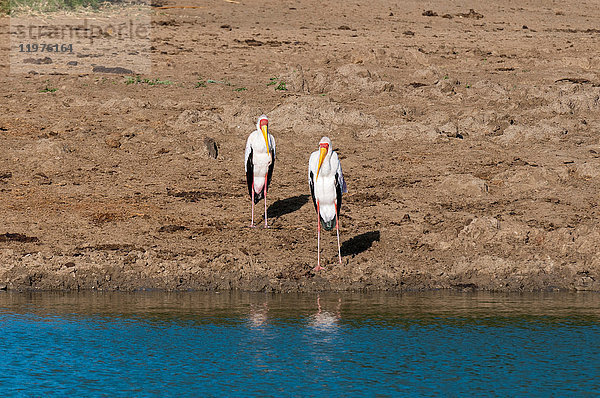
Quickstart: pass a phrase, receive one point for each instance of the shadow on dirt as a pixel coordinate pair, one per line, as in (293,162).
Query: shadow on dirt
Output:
(287,206)
(360,243)
(9,237)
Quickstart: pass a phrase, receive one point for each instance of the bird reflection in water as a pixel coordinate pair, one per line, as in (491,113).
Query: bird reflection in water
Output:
(257,317)
(326,321)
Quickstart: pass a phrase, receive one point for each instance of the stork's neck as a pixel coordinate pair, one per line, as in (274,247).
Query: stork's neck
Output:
(260,141)
(326,165)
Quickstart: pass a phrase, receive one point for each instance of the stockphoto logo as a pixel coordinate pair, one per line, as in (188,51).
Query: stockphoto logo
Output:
(86,30)
(67,44)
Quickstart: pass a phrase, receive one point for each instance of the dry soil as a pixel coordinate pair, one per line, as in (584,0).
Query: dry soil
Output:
(469,141)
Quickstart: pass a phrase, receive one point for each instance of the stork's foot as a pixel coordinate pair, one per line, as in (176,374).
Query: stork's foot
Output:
(251,225)
(266,226)
(318,268)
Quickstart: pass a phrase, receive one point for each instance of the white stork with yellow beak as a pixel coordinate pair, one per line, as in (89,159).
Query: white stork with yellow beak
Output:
(260,159)
(326,187)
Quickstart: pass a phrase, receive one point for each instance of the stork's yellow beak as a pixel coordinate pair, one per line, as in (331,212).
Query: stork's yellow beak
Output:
(265,132)
(322,154)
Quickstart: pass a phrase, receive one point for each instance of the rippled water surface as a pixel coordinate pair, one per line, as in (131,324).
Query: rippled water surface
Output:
(240,344)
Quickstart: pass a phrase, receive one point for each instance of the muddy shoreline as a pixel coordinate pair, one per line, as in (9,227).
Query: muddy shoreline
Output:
(469,141)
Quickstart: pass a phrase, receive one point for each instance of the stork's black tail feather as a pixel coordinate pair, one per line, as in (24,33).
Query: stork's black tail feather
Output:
(258,196)
(327,225)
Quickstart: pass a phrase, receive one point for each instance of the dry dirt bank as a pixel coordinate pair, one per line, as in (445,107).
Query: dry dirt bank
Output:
(469,141)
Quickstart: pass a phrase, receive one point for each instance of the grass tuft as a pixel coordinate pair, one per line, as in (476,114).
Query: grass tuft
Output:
(151,82)
(225,82)
(280,84)
(15,7)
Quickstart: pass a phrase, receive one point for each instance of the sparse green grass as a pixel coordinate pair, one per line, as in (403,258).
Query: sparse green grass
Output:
(48,90)
(156,82)
(4,7)
(279,84)
(205,83)
(47,6)
(151,82)
(201,83)
(225,82)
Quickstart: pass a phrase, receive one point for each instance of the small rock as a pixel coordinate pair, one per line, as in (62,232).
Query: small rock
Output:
(42,178)
(253,42)
(211,147)
(471,14)
(450,130)
(118,70)
(429,13)
(3,286)
(38,61)
(112,142)
(171,228)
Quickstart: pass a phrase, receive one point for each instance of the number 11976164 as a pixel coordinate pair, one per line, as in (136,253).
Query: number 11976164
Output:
(43,47)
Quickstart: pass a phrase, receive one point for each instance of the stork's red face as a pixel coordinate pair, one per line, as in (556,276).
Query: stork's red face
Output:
(264,127)
(323,149)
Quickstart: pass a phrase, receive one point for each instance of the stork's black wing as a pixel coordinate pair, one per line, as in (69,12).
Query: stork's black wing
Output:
(338,192)
(249,172)
(270,172)
(311,182)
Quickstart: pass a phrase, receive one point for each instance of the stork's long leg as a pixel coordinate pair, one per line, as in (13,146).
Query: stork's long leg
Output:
(252,220)
(337,229)
(266,226)
(318,267)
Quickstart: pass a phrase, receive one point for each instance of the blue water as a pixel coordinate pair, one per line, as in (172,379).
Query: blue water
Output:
(241,344)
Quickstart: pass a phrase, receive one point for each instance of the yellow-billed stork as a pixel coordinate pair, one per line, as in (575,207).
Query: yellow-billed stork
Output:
(326,187)
(260,159)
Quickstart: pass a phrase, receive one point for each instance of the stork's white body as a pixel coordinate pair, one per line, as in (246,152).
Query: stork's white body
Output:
(261,159)
(327,184)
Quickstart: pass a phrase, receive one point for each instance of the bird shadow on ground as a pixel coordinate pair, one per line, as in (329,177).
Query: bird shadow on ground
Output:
(287,206)
(360,243)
